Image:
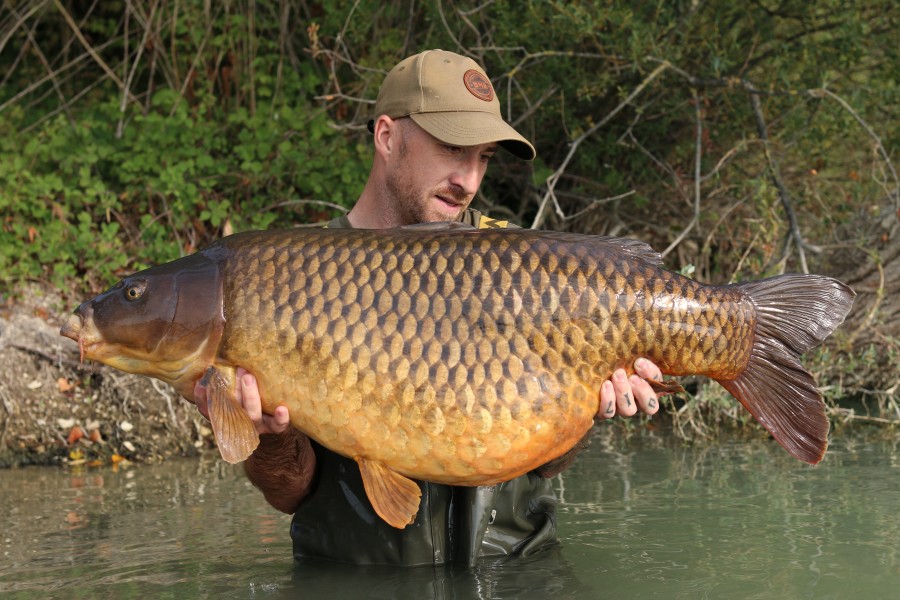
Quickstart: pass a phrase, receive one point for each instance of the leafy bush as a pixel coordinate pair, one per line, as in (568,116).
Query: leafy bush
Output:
(79,201)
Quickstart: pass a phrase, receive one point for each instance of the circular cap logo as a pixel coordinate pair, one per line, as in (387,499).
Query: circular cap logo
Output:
(478,85)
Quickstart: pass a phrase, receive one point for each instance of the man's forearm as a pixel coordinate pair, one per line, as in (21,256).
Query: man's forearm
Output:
(282,467)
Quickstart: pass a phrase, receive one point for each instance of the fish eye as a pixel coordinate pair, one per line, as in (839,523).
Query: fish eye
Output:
(135,291)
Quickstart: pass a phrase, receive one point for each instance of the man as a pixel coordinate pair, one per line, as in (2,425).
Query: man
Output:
(437,126)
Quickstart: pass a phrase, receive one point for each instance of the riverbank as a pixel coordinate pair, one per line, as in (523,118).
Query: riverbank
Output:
(55,411)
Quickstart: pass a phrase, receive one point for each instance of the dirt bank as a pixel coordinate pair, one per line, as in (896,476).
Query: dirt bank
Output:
(55,411)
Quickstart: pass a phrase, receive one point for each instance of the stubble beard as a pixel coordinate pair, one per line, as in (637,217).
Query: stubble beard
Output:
(410,204)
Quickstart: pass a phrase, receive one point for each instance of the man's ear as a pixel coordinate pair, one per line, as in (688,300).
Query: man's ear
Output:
(387,132)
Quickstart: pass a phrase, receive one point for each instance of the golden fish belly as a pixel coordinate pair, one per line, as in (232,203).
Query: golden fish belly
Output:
(462,359)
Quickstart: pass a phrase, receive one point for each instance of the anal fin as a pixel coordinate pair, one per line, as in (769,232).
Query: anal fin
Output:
(236,436)
(394,497)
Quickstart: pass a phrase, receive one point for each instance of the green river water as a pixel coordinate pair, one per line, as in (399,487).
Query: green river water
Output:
(644,518)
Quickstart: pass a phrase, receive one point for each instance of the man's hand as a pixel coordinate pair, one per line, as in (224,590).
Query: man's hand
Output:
(620,395)
(623,395)
(283,465)
(248,395)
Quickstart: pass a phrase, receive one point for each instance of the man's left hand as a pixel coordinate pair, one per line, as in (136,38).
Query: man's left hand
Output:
(625,396)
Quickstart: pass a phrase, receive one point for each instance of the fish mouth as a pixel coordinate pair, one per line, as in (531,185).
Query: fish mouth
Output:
(92,345)
(73,329)
(79,330)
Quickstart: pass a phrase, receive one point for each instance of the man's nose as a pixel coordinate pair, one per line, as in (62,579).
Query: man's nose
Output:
(468,175)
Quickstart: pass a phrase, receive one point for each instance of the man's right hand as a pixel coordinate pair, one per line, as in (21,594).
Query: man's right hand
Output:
(247,394)
(283,465)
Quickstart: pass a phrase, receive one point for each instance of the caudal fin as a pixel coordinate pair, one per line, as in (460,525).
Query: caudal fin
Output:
(794,313)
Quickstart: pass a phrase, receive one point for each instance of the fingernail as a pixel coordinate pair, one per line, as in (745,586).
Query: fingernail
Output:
(620,375)
(641,362)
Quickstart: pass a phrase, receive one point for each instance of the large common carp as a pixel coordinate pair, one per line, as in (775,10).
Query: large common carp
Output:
(454,355)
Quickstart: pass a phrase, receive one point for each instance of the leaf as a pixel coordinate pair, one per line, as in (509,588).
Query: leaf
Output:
(75,434)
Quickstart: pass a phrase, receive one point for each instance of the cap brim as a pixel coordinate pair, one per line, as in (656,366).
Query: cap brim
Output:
(473,128)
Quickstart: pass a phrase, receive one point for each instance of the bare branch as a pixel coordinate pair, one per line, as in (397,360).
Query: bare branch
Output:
(818,93)
(97,58)
(46,117)
(51,74)
(35,85)
(794,233)
(554,178)
(598,202)
(698,155)
(461,48)
(532,108)
(37,6)
(188,77)
(137,59)
(662,165)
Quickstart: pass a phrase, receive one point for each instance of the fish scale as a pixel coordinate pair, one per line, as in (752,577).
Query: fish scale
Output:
(458,356)
(481,289)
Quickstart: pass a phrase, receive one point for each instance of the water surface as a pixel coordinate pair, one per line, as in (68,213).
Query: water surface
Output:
(647,517)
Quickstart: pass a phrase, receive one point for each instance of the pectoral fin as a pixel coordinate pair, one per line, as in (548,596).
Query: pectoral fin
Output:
(235,433)
(394,497)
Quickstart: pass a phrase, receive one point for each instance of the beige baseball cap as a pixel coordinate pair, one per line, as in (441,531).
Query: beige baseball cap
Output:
(450,97)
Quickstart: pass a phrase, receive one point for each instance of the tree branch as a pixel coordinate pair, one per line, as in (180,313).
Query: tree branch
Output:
(20,21)
(554,178)
(97,58)
(698,155)
(794,233)
(137,59)
(818,93)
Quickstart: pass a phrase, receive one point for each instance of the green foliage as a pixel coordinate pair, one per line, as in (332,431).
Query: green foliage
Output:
(80,202)
(253,116)
(100,192)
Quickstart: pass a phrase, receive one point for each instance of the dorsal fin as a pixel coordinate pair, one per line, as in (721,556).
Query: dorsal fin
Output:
(632,247)
(439,226)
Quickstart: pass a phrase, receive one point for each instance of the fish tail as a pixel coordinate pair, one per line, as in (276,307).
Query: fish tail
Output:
(794,313)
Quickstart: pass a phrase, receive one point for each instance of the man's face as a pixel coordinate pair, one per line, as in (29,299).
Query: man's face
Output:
(433,181)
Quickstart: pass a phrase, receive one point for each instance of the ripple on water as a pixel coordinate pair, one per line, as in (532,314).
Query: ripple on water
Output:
(637,519)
